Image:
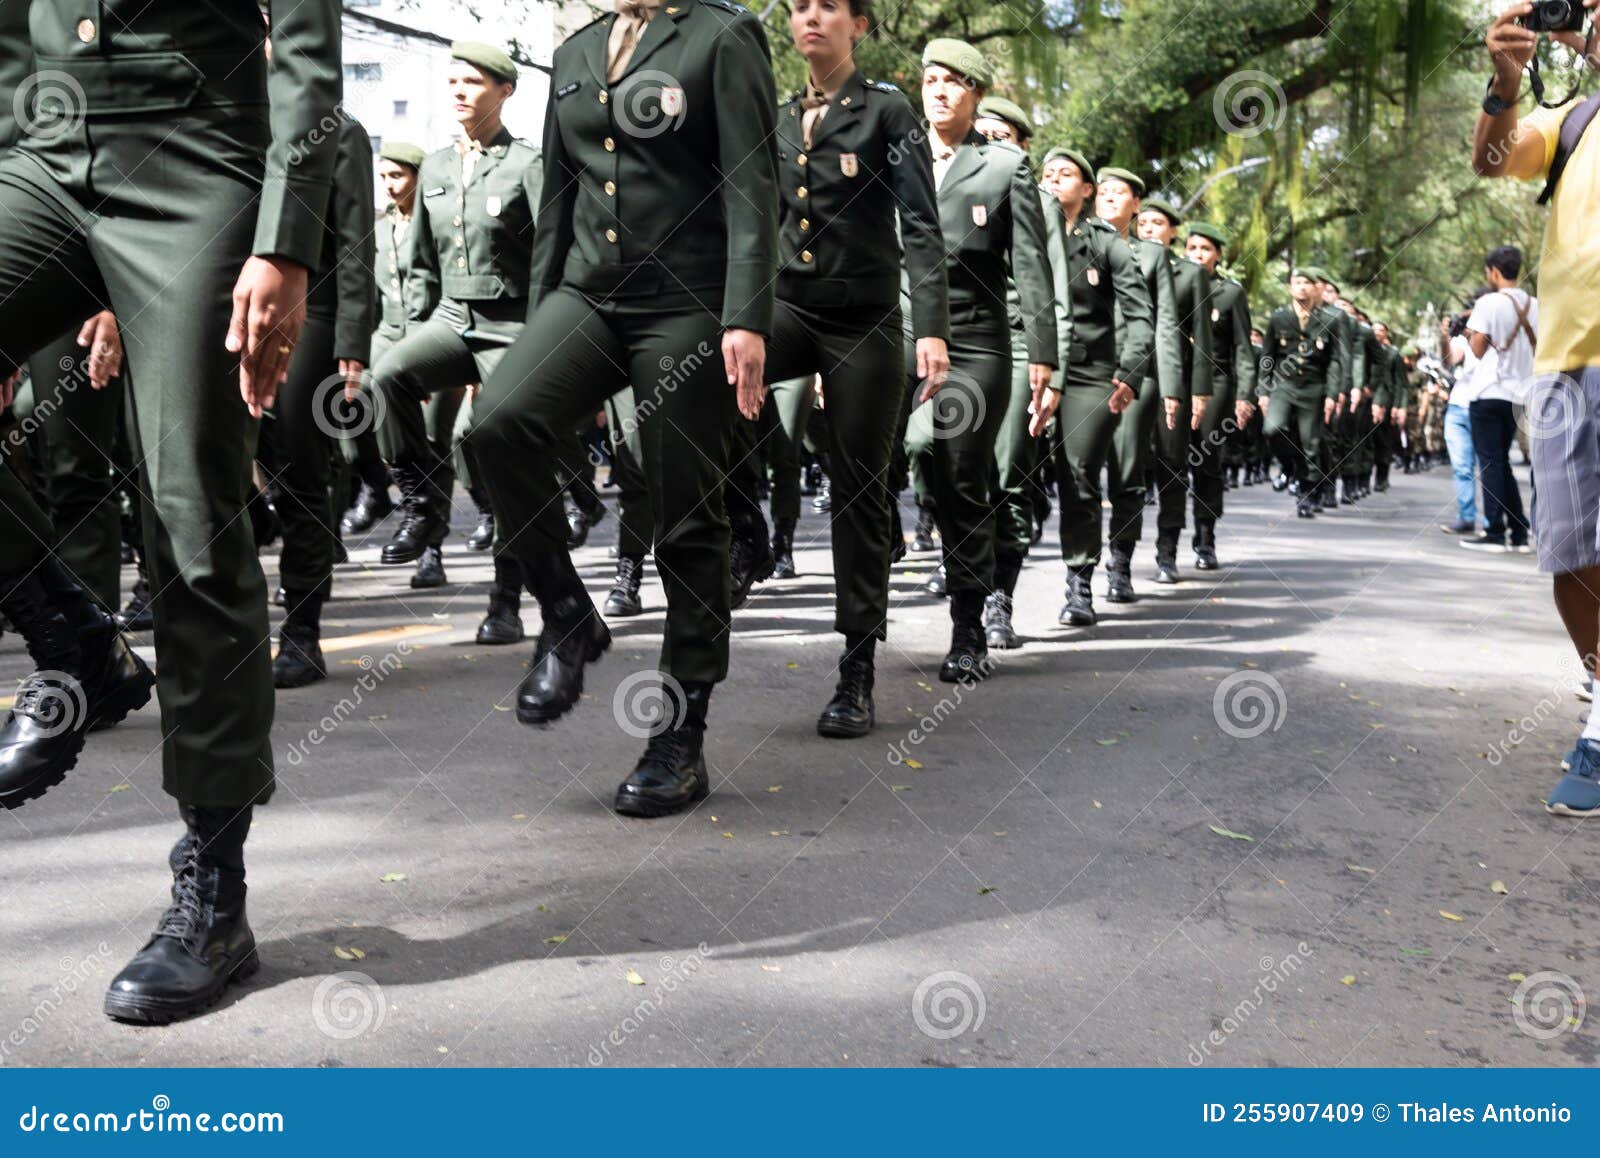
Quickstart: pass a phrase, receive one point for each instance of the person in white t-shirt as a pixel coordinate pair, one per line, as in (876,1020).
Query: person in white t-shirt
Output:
(1501,333)
(1457,355)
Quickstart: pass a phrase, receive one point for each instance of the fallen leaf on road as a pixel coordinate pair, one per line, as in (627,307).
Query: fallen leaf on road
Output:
(1348,979)
(1451,916)
(351,954)
(1416,953)
(634,978)
(729,835)
(775,788)
(1106,743)
(779,832)
(899,788)
(1499,887)
(502,707)
(542,908)
(772,968)
(915,765)
(925,687)
(558,939)
(519,816)
(1516,976)
(391,878)
(791,666)
(985,890)
(1096,803)
(1000,832)
(1360,868)
(1229,833)
(121,787)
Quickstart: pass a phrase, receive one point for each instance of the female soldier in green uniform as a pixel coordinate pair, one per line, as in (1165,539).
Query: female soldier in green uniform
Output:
(993,225)
(660,210)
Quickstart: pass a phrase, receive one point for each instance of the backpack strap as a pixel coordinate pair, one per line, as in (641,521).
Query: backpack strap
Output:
(1571,130)
(1521,307)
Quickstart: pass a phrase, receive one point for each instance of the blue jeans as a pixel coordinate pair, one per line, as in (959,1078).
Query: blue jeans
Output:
(1458,441)
(1493,428)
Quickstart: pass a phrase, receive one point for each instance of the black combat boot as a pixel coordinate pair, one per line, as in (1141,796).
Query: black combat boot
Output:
(897,533)
(139,614)
(371,507)
(1306,508)
(482,536)
(624,598)
(1328,496)
(750,558)
(424,518)
(968,657)
(922,535)
(671,775)
(1078,611)
(1119,574)
(580,520)
(299,660)
(997,608)
(430,570)
(1381,482)
(783,550)
(503,624)
(264,522)
(936,585)
(823,502)
(573,636)
(86,678)
(203,942)
(850,714)
(1167,556)
(1205,545)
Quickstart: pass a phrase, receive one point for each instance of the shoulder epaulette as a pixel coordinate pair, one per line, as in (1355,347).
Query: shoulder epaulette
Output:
(883,85)
(728,6)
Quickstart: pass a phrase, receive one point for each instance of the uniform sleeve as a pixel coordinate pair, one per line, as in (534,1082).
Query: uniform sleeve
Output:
(1169,337)
(533,187)
(1360,372)
(1138,313)
(911,170)
(429,286)
(558,189)
(1055,231)
(354,219)
(747,96)
(1244,354)
(304,86)
(1338,381)
(1030,266)
(1267,378)
(1200,385)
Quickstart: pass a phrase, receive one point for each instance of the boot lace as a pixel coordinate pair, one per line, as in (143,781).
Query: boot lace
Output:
(185,917)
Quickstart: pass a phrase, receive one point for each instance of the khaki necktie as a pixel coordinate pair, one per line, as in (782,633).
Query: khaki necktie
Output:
(942,156)
(813,107)
(632,16)
(470,151)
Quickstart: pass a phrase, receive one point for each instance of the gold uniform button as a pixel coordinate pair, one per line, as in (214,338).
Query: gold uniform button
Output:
(611,236)
(604,96)
(611,146)
(805,224)
(800,160)
(458,222)
(801,192)
(805,256)
(611,188)
(459,243)
(86,30)
(461,263)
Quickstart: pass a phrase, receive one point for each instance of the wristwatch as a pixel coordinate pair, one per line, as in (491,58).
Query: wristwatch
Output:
(1493,103)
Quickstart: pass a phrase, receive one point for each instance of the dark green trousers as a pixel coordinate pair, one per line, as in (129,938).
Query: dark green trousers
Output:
(75,433)
(24,528)
(71,244)
(952,436)
(861,359)
(1294,428)
(1143,443)
(296,452)
(627,471)
(1015,461)
(1207,453)
(574,354)
(1085,427)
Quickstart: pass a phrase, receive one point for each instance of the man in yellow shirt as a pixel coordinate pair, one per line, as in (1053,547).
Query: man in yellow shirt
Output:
(1564,435)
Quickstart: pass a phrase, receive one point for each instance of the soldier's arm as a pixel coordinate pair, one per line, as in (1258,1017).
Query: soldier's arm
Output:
(1030,265)
(1138,312)
(353,227)
(1360,372)
(1341,352)
(746,94)
(1267,379)
(424,280)
(911,170)
(304,85)
(1204,343)
(558,191)
(1055,231)
(1168,336)
(1244,354)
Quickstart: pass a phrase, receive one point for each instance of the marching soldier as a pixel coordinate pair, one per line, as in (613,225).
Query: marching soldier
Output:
(1108,365)
(618,297)
(1233,387)
(1155,413)
(992,222)
(1334,449)
(1299,391)
(1191,283)
(186,138)
(472,243)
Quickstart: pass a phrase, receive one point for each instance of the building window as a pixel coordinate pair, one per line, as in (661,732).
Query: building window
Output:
(370,72)
(400,108)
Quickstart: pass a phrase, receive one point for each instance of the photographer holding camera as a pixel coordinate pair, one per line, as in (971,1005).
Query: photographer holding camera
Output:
(1562,146)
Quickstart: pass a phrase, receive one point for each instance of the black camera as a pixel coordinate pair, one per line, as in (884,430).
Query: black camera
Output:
(1555,16)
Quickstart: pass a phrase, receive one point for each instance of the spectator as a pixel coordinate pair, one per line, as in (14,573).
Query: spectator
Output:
(1565,399)
(1463,364)
(1500,331)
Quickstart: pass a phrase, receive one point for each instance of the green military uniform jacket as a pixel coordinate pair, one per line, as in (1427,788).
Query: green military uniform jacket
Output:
(662,189)
(475,243)
(342,286)
(16,63)
(1304,362)
(121,55)
(1232,357)
(402,296)
(859,206)
(993,228)
(1055,231)
(1344,328)
(1191,286)
(1104,283)
(1397,380)
(1167,353)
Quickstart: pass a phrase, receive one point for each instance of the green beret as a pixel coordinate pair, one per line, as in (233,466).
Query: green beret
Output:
(1075,157)
(1208,231)
(1164,207)
(1301,271)
(487,57)
(1008,111)
(403,152)
(1134,181)
(1314,272)
(959,56)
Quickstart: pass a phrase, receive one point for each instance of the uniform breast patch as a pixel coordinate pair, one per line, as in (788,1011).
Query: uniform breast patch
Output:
(567,90)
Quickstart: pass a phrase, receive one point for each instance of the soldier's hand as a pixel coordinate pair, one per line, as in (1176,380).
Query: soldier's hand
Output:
(1338,405)
(352,372)
(1197,410)
(1379,413)
(1122,396)
(744,357)
(1243,412)
(1399,415)
(1171,406)
(1327,409)
(1044,401)
(933,366)
(269,308)
(8,387)
(103,340)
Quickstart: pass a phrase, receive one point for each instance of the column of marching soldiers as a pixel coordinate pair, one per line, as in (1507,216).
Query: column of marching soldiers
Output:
(742,294)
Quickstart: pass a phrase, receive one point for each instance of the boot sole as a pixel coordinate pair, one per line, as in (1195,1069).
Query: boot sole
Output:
(644,808)
(500,640)
(302,681)
(839,730)
(1078,621)
(164,1011)
(1003,642)
(540,717)
(613,612)
(1110,598)
(129,698)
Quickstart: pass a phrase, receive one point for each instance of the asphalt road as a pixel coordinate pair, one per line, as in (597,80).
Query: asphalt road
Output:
(1025,872)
